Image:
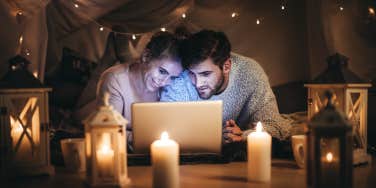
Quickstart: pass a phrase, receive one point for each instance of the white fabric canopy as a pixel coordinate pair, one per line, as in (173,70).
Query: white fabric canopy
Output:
(290,45)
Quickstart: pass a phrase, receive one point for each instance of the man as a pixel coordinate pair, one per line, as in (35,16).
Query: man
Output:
(214,73)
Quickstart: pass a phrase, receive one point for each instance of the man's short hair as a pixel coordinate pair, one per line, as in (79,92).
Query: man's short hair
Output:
(205,44)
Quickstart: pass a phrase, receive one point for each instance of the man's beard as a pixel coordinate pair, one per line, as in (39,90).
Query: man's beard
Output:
(216,89)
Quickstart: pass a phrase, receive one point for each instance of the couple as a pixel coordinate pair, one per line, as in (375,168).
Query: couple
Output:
(200,67)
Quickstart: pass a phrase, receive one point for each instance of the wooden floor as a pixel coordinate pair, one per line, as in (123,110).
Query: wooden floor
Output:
(284,174)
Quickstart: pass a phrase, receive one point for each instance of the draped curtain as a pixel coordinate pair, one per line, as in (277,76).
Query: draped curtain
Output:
(300,38)
(346,31)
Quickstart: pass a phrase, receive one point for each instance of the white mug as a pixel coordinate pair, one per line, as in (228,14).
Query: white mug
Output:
(299,149)
(74,154)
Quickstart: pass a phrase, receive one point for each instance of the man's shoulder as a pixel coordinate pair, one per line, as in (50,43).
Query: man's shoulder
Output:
(246,64)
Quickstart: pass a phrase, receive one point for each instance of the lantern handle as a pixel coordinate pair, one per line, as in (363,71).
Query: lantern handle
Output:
(106,98)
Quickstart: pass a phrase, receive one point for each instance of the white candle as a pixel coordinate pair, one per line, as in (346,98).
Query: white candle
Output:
(259,155)
(105,157)
(165,161)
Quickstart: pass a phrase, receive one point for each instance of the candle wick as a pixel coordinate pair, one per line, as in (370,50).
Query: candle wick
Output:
(259,127)
(164,135)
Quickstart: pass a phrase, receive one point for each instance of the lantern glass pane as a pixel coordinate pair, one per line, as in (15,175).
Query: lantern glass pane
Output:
(319,99)
(330,161)
(356,117)
(105,155)
(25,128)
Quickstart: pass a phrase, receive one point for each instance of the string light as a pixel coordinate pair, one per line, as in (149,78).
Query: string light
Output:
(183,15)
(283,7)
(341,8)
(19,13)
(134,37)
(258,21)
(76,5)
(101,29)
(371,11)
(27,52)
(163,29)
(35,73)
(21,39)
(234,14)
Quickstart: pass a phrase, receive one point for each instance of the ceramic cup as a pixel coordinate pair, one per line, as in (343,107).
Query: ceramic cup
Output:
(299,149)
(74,154)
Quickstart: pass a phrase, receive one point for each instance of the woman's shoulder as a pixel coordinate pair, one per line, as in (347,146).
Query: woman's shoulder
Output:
(115,71)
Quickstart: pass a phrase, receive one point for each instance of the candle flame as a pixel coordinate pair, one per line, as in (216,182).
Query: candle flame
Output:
(329,157)
(164,135)
(105,149)
(259,127)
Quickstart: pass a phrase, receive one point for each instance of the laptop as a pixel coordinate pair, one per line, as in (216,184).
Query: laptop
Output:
(195,126)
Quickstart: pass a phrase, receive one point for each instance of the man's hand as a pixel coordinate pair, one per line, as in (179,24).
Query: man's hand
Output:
(231,132)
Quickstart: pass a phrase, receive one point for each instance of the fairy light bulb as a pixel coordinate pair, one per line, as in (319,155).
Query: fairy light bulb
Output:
(76,5)
(21,39)
(234,14)
(20,13)
(341,8)
(283,7)
(183,15)
(163,29)
(101,29)
(134,37)
(371,11)
(258,21)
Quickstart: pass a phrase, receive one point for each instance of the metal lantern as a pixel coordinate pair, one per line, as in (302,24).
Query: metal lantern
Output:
(350,95)
(24,122)
(329,146)
(105,142)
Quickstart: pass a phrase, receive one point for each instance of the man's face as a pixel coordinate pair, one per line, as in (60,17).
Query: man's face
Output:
(207,77)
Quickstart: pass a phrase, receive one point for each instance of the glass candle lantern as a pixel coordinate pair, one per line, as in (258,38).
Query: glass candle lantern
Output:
(106,149)
(329,146)
(350,95)
(24,121)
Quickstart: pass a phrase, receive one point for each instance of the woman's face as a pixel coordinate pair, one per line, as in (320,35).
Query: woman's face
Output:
(161,72)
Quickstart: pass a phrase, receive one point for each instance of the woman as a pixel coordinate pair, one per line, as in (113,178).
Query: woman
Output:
(142,80)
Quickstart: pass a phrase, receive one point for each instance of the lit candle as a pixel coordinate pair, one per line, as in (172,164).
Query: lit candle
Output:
(105,157)
(24,149)
(330,170)
(259,155)
(165,161)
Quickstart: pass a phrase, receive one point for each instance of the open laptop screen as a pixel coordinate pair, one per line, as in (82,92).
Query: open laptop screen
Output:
(195,126)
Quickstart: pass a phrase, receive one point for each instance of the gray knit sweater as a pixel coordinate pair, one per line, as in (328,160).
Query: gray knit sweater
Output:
(247,99)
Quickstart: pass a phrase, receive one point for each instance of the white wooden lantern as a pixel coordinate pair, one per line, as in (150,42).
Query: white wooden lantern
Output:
(24,122)
(106,149)
(350,96)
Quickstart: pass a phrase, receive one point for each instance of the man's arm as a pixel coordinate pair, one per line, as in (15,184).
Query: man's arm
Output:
(263,107)
(181,89)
